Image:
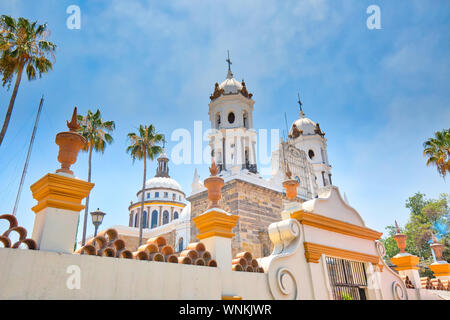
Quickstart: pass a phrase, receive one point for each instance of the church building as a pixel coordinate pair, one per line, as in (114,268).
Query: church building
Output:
(257,201)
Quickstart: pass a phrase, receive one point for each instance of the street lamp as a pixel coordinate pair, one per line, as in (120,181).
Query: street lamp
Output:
(97,219)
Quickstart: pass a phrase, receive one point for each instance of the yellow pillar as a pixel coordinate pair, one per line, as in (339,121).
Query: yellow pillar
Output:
(406,263)
(215,230)
(440,268)
(59,196)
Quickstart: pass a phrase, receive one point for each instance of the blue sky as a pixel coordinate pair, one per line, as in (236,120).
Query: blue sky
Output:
(377,94)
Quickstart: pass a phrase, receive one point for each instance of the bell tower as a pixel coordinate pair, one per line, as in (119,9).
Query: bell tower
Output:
(233,138)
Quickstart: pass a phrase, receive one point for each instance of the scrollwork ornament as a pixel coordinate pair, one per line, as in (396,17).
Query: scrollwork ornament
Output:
(399,291)
(286,283)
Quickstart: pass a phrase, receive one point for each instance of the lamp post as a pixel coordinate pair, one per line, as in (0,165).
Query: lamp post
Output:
(97,219)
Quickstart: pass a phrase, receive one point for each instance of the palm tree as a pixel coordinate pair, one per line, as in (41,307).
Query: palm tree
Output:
(437,150)
(142,146)
(97,133)
(24,46)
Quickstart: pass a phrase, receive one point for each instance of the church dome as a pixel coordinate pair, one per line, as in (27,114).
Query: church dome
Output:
(305,125)
(230,85)
(163,182)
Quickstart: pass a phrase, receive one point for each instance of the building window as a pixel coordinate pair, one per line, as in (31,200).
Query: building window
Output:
(165,217)
(136,219)
(148,195)
(245,119)
(156,194)
(217,120)
(348,279)
(179,198)
(175,215)
(174,196)
(131,219)
(180,244)
(166,194)
(311,154)
(144,223)
(154,219)
(231,117)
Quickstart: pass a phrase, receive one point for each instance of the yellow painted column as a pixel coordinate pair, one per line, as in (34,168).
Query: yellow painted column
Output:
(59,203)
(215,230)
(440,268)
(406,263)
(59,196)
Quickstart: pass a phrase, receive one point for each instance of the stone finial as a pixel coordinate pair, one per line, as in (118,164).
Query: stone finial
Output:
(214,185)
(290,185)
(73,125)
(400,239)
(70,143)
(437,248)
(214,169)
(397,228)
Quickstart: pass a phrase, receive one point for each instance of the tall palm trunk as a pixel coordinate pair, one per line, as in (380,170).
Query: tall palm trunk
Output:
(142,201)
(11,103)
(86,208)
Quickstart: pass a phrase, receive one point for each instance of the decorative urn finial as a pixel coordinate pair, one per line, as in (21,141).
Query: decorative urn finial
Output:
(290,185)
(214,185)
(437,248)
(400,238)
(69,142)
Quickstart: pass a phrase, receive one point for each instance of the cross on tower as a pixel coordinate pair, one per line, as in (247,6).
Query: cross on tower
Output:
(299,102)
(229,61)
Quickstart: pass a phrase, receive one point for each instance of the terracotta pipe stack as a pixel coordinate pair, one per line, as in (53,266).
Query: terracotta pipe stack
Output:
(107,244)
(21,231)
(244,261)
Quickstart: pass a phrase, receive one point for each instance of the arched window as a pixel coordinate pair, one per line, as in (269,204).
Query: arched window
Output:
(136,219)
(175,215)
(180,244)
(154,219)
(217,120)
(245,118)
(131,219)
(231,117)
(165,217)
(144,223)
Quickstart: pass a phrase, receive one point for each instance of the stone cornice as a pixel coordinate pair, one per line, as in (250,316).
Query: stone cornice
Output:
(330,224)
(314,251)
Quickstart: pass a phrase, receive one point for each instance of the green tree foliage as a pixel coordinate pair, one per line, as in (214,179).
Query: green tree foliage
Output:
(427,217)
(437,151)
(24,47)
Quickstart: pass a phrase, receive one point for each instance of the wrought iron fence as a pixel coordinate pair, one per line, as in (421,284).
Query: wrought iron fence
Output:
(348,279)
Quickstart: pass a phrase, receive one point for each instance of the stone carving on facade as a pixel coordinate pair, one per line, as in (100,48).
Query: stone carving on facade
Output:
(244,91)
(282,279)
(318,131)
(398,287)
(295,132)
(21,231)
(217,92)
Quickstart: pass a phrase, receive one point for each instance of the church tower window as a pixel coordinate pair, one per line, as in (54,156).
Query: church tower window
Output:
(175,215)
(245,120)
(180,244)
(217,120)
(311,154)
(231,117)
